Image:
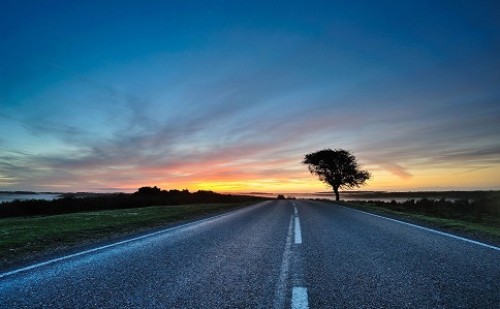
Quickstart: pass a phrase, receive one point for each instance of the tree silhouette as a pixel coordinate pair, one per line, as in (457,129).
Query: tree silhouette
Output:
(338,168)
(148,191)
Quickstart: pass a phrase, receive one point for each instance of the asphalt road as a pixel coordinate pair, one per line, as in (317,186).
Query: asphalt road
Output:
(275,254)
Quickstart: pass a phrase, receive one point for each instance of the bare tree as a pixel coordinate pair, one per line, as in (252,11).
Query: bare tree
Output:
(338,168)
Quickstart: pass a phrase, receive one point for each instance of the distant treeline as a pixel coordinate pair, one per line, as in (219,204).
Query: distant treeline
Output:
(19,192)
(456,195)
(473,209)
(145,196)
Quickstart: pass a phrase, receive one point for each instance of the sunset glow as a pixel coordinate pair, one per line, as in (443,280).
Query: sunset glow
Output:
(230,97)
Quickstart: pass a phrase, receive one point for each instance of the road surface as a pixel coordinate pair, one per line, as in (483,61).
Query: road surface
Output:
(275,254)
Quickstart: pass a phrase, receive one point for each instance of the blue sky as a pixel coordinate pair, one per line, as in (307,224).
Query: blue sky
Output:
(230,95)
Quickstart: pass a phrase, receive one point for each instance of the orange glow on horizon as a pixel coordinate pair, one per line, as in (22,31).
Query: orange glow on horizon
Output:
(251,177)
(303,182)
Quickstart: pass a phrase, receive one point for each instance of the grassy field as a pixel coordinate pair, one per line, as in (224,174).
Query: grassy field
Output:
(487,229)
(26,238)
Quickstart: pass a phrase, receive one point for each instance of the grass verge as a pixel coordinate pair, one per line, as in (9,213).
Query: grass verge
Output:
(28,238)
(488,230)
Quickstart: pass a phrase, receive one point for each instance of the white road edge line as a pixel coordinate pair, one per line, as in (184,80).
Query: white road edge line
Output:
(66,257)
(299,298)
(429,230)
(298,232)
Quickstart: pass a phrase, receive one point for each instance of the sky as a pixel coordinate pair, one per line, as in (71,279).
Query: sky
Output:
(230,95)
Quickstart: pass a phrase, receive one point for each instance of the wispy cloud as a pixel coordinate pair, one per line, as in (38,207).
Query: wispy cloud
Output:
(243,103)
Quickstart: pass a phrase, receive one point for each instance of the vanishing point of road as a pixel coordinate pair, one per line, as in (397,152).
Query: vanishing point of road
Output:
(274,254)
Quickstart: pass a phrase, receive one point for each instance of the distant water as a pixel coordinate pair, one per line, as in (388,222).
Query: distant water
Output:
(348,196)
(9,197)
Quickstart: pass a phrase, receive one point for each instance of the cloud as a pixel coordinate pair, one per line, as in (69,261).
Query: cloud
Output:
(395,169)
(247,104)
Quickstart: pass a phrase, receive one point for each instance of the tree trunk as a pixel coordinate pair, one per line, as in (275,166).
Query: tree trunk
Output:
(337,195)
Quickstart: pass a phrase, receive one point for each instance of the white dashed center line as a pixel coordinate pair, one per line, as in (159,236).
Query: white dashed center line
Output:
(291,269)
(299,298)
(299,294)
(298,232)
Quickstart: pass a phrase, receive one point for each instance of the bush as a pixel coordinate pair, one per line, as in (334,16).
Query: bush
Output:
(475,210)
(145,196)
